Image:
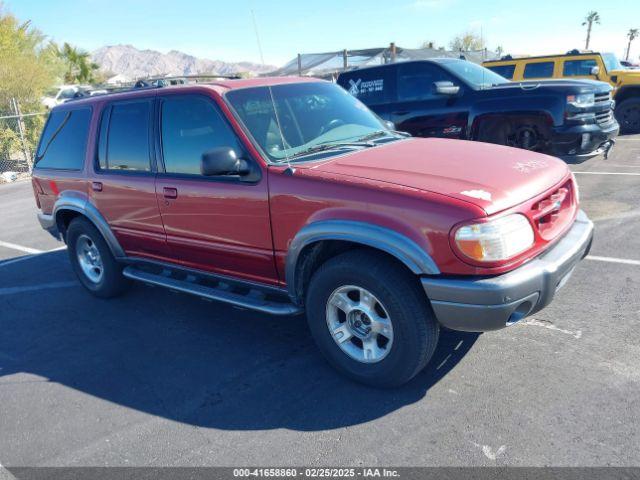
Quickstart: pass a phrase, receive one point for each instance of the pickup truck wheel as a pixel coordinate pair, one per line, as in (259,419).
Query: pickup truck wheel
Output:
(527,136)
(628,115)
(370,318)
(92,261)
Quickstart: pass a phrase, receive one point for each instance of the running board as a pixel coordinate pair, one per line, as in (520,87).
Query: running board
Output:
(251,298)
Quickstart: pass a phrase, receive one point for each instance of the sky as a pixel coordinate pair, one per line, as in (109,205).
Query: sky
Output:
(224,30)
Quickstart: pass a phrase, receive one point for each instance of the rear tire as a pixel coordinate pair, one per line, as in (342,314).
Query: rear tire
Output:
(92,260)
(384,331)
(628,115)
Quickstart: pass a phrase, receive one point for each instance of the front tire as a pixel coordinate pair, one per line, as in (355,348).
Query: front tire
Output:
(370,318)
(92,261)
(628,115)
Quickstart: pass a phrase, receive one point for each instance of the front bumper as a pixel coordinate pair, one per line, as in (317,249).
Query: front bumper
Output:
(481,304)
(581,142)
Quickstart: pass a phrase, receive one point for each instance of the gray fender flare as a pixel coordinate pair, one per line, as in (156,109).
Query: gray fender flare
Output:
(79,203)
(400,246)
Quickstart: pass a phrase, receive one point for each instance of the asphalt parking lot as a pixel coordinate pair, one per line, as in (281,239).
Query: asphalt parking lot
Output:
(157,378)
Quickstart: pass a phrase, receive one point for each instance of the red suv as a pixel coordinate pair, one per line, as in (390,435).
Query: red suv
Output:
(287,195)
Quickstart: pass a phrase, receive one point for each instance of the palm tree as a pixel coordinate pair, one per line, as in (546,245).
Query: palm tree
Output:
(80,69)
(591,18)
(632,35)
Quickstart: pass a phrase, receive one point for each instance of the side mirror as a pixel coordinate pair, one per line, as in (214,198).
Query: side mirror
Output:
(595,71)
(446,88)
(223,161)
(389,124)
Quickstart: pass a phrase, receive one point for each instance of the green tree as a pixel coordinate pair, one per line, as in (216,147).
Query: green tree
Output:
(591,18)
(79,67)
(632,34)
(467,41)
(28,68)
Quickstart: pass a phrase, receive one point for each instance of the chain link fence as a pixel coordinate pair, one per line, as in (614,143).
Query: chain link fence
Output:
(19,134)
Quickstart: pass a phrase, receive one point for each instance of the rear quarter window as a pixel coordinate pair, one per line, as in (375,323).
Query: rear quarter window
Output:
(505,71)
(64,140)
(538,70)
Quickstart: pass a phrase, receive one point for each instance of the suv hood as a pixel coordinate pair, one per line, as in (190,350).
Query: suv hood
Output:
(628,76)
(491,177)
(572,85)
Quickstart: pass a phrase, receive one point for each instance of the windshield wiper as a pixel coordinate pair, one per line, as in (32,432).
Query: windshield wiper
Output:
(323,147)
(317,148)
(373,135)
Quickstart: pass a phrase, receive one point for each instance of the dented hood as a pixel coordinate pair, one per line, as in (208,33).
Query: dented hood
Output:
(492,177)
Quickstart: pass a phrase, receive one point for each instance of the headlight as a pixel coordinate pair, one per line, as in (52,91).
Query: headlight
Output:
(495,240)
(582,100)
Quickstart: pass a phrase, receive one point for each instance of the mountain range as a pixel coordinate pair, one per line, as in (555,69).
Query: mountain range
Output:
(134,63)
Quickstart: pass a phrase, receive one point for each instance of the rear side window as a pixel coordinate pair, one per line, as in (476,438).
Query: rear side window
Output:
(538,70)
(505,71)
(371,87)
(124,137)
(190,127)
(64,140)
(574,68)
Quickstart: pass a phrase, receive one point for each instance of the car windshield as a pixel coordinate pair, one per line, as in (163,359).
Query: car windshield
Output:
(611,62)
(311,117)
(478,77)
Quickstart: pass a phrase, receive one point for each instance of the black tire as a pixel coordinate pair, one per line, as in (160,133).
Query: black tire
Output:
(628,115)
(493,131)
(415,329)
(525,134)
(111,282)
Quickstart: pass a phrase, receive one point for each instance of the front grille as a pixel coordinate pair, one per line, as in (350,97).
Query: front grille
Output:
(602,118)
(602,98)
(551,214)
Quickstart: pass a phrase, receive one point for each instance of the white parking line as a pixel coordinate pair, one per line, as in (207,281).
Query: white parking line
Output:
(5,474)
(20,248)
(27,257)
(36,288)
(633,174)
(625,261)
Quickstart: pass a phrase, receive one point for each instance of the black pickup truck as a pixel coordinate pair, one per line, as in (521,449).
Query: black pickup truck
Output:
(452,98)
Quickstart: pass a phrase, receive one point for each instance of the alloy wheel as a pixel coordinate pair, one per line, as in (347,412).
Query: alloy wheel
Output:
(359,324)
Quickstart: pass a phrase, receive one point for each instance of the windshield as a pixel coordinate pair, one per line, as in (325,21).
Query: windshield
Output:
(478,77)
(611,62)
(309,116)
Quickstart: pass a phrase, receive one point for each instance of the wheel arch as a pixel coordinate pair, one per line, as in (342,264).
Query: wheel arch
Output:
(73,204)
(544,117)
(319,241)
(626,92)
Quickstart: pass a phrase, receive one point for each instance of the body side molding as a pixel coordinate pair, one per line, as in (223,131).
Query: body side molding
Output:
(387,240)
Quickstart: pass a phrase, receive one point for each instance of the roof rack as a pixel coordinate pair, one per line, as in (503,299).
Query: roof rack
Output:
(149,83)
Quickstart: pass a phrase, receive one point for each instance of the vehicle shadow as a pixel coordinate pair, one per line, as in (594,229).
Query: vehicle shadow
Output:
(177,357)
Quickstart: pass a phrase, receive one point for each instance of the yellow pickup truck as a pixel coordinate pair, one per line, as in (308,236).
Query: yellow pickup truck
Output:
(581,64)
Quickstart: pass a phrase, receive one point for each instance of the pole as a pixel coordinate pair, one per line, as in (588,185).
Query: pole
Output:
(392,47)
(345,59)
(299,65)
(21,131)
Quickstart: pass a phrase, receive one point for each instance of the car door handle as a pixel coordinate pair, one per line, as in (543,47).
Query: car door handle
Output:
(96,186)
(170,192)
